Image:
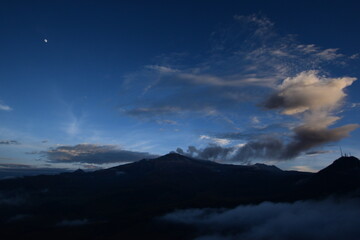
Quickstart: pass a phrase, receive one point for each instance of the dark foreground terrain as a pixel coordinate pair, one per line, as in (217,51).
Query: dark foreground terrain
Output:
(128,201)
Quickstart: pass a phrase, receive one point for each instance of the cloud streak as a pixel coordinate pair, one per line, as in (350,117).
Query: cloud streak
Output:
(8,142)
(93,153)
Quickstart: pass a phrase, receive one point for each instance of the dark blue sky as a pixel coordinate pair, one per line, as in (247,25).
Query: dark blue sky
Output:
(114,81)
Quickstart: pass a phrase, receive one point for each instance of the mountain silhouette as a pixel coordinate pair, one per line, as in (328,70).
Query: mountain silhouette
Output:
(346,165)
(342,176)
(116,202)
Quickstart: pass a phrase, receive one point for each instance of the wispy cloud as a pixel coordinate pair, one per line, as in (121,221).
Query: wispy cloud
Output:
(14,165)
(355,105)
(162,69)
(255,120)
(317,152)
(150,111)
(166,121)
(5,107)
(249,54)
(261,24)
(73,126)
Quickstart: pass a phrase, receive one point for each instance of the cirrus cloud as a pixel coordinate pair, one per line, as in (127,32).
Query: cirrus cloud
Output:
(246,57)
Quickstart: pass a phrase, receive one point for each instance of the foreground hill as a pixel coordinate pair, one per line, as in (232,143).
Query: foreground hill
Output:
(116,202)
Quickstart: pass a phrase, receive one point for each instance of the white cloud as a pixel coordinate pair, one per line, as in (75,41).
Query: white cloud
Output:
(303,169)
(308,91)
(263,24)
(312,98)
(5,107)
(308,49)
(73,127)
(240,145)
(330,54)
(355,105)
(162,69)
(355,56)
(166,121)
(255,120)
(219,141)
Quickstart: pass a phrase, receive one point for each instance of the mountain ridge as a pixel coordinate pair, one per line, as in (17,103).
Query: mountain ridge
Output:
(115,200)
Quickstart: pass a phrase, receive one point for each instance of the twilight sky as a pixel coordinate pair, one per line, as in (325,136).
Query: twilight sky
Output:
(98,83)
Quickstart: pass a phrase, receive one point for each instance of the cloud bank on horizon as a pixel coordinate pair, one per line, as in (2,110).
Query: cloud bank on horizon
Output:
(93,154)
